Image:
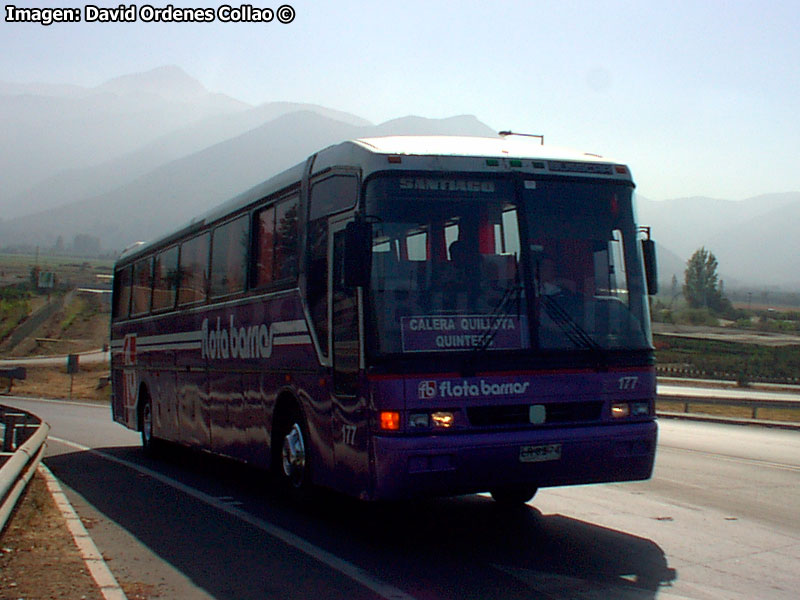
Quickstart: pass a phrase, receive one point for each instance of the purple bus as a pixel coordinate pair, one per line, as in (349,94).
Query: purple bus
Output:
(402,316)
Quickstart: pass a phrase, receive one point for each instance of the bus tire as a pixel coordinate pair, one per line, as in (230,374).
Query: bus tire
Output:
(293,466)
(514,495)
(149,442)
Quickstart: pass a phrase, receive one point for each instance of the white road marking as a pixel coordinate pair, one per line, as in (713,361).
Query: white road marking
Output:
(357,574)
(91,555)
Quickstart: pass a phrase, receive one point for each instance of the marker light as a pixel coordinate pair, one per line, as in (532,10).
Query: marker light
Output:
(396,160)
(390,420)
(418,421)
(442,419)
(639,409)
(620,411)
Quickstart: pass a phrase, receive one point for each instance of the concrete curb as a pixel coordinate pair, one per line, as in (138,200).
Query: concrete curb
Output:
(97,566)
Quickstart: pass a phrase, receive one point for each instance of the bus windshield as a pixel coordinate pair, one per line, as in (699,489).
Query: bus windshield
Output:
(460,264)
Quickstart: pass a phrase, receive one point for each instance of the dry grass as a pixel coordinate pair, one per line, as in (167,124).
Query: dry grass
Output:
(39,558)
(54,382)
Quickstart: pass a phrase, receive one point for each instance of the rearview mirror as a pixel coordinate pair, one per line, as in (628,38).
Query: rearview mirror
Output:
(650,267)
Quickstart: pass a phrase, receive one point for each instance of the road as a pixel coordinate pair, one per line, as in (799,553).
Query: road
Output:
(719,519)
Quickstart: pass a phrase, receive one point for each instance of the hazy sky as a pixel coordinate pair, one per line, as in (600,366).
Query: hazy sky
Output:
(700,98)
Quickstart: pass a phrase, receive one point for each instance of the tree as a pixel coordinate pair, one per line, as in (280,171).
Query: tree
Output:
(701,287)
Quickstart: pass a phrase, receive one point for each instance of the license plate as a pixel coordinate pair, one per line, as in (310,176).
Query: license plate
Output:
(540,453)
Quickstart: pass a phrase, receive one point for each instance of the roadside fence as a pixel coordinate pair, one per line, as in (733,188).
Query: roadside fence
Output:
(741,377)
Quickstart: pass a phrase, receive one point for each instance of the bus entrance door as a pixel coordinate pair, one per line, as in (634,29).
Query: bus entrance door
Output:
(349,415)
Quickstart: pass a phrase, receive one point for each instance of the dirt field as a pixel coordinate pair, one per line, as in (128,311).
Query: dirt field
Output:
(720,334)
(54,382)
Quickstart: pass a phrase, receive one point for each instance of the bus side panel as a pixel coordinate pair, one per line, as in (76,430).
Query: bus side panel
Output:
(256,351)
(191,389)
(224,392)
(247,423)
(160,381)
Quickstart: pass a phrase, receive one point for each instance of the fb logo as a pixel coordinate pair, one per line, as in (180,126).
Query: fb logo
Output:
(426,390)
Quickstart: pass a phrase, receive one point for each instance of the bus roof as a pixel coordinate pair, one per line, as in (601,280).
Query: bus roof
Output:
(421,153)
(499,147)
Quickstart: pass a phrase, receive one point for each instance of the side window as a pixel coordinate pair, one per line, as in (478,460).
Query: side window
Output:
(229,257)
(193,270)
(265,247)
(286,239)
(165,279)
(122,293)
(275,251)
(332,195)
(142,285)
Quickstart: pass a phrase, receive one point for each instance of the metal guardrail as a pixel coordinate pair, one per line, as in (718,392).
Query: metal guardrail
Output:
(24,438)
(753,404)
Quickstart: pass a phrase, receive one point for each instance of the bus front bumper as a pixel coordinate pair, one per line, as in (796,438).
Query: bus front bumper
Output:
(455,463)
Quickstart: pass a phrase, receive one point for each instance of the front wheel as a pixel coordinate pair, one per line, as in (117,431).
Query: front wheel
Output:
(294,465)
(513,496)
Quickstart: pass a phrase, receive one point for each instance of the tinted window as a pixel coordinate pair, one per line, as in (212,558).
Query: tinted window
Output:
(122,293)
(276,243)
(334,194)
(229,257)
(265,247)
(286,242)
(165,279)
(193,270)
(142,283)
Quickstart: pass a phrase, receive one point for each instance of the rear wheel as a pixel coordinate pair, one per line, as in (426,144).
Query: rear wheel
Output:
(515,495)
(149,443)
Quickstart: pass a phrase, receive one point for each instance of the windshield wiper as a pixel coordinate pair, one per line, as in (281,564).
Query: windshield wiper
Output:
(498,314)
(572,330)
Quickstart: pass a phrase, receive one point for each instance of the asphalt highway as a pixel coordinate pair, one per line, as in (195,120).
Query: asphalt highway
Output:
(719,519)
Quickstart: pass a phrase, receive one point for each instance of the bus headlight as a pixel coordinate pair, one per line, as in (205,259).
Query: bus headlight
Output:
(443,419)
(620,410)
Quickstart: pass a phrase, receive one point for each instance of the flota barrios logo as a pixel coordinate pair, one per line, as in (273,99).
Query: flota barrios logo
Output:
(229,341)
(470,389)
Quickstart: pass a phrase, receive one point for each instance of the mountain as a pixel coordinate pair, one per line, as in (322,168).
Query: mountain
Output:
(754,240)
(80,183)
(46,129)
(170,195)
(765,249)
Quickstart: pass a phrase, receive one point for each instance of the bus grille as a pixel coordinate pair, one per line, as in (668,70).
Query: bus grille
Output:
(519,414)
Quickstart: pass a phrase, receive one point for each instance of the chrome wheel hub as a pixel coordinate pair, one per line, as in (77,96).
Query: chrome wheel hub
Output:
(294,456)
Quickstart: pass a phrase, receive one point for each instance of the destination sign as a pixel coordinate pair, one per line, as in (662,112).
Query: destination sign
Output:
(427,333)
